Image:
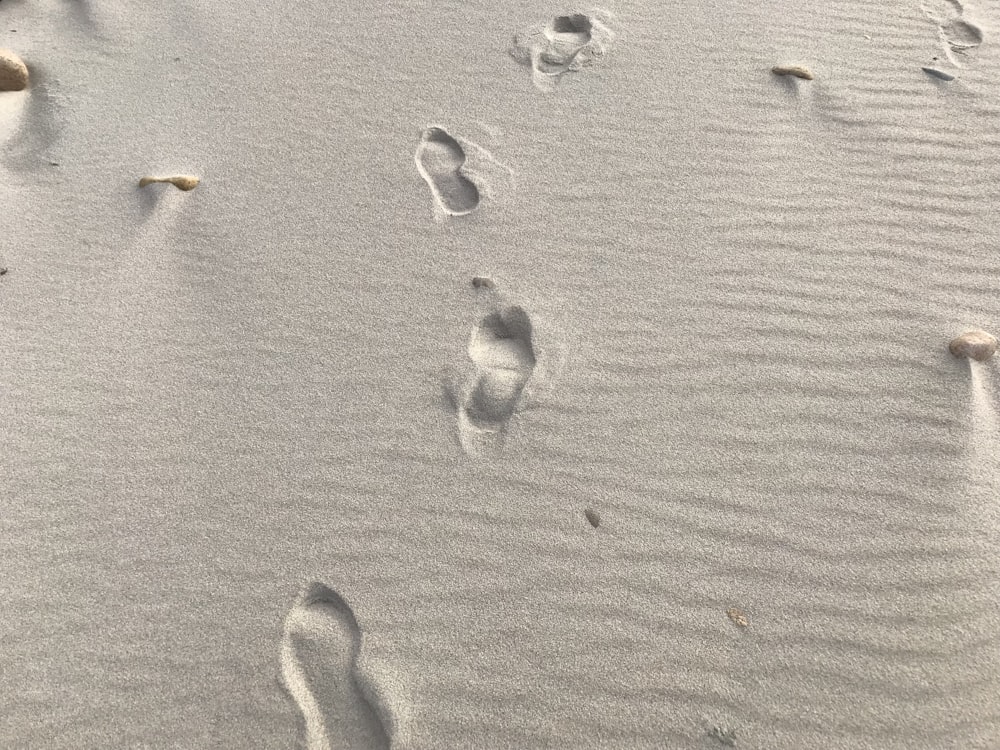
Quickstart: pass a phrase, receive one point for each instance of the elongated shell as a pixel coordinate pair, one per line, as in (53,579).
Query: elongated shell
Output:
(181,182)
(799,71)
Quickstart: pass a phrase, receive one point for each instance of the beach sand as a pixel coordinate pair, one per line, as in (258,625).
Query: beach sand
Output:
(276,473)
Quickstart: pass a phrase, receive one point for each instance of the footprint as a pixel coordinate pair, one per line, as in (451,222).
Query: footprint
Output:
(962,35)
(565,44)
(320,649)
(504,357)
(440,159)
(959,36)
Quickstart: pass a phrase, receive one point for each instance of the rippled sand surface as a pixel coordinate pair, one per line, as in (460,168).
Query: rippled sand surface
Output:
(689,465)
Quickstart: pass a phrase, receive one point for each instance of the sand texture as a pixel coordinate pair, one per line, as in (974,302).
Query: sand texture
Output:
(517,376)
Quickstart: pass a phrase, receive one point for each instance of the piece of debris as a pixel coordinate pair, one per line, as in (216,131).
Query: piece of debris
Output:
(181,182)
(738,616)
(593,517)
(799,71)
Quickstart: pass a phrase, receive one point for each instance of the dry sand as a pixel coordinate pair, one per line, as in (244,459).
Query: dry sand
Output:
(276,473)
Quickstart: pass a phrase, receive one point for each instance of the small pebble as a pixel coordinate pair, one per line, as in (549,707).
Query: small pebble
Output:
(799,71)
(13,72)
(738,616)
(181,182)
(977,345)
(481,282)
(593,517)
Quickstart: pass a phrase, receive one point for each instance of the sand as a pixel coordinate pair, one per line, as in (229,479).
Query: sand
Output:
(277,473)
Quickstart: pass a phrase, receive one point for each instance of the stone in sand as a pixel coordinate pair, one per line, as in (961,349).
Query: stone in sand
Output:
(13,72)
(481,282)
(593,517)
(799,71)
(977,345)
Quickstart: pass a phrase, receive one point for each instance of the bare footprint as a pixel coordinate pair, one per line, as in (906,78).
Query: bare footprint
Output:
(320,649)
(959,36)
(440,158)
(504,357)
(962,35)
(565,44)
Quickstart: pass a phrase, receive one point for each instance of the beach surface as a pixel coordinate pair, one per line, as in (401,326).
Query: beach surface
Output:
(514,375)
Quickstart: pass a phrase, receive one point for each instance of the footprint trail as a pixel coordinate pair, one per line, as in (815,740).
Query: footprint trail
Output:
(440,160)
(321,645)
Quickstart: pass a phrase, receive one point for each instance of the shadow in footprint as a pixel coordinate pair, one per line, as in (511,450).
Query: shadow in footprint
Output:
(501,349)
(320,648)
(571,30)
(502,341)
(565,44)
(440,158)
(567,37)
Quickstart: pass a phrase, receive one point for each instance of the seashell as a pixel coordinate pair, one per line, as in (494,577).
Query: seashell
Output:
(181,182)
(799,71)
(13,72)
